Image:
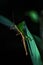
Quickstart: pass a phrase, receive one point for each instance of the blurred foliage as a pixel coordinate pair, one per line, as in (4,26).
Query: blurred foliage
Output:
(33,15)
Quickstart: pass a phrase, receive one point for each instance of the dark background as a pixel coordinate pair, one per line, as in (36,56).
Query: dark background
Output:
(11,47)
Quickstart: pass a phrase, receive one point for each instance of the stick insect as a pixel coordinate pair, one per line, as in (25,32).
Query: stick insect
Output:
(11,25)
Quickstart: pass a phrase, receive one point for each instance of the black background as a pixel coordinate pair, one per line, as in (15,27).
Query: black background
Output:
(11,47)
